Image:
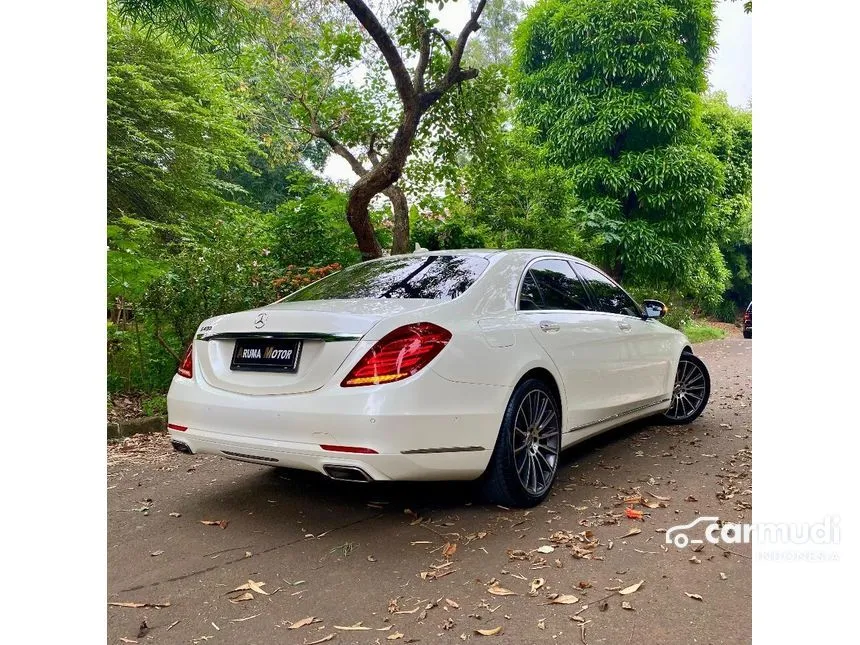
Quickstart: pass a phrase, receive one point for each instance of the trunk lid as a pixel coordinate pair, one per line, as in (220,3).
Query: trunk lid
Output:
(328,330)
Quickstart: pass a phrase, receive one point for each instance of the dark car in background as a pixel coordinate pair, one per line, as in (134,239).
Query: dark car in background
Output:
(748,322)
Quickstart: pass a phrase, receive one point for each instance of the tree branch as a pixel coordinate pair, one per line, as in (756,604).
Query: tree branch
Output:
(326,135)
(423,60)
(339,149)
(455,74)
(371,151)
(389,50)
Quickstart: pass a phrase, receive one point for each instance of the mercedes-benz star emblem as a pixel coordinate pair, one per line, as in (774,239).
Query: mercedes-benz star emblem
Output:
(260,322)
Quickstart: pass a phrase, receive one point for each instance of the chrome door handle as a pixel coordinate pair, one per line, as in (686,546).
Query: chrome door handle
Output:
(623,325)
(547,326)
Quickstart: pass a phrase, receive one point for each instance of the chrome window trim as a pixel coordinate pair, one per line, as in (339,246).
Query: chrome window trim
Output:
(561,258)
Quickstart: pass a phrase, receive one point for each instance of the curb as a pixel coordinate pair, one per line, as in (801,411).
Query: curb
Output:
(145,425)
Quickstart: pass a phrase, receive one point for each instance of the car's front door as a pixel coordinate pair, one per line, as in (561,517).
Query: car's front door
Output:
(641,359)
(581,342)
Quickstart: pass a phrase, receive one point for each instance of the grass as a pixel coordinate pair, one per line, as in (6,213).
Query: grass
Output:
(698,331)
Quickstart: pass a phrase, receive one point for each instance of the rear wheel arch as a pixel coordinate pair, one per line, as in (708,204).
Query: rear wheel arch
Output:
(543,374)
(687,350)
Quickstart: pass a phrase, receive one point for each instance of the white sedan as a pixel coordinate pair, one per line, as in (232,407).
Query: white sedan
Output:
(448,365)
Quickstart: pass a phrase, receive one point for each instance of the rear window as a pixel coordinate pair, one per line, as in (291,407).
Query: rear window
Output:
(432,277)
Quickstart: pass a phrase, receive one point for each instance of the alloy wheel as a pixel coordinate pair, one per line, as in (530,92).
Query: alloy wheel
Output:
(536,442)
(688,396)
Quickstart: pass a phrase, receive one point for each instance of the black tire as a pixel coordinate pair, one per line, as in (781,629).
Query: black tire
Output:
(692,387)
(502,482)
(747,333)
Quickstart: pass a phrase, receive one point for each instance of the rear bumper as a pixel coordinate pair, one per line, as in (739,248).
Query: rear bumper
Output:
(381,467)
(425,428)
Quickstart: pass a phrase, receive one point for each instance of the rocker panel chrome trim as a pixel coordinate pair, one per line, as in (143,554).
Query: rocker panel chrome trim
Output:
(619,415)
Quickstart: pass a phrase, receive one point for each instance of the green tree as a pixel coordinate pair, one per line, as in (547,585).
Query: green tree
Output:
(205,25)
(729,138)
(172,128)
(612,88)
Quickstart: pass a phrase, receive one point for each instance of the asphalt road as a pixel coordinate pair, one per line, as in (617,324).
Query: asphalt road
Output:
(353,555)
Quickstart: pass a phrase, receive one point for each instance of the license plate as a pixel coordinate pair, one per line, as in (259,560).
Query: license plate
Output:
(266,355)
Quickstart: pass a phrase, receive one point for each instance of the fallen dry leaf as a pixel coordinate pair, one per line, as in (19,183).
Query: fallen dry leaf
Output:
(321,640)
(394,637)
(451,603)
(126,640)
(626,605)
(564,599)
(631,588)
(634,531)
(723,576)
(694,596)
(501,591)
(542,623)
(248,586)
(140,605)
(449,549)
(302,623)
(489,632)
(222,523)
(537,583)
(155,553)
(546,548)
(245,596)
(358,627)
(633,514)
(242,620)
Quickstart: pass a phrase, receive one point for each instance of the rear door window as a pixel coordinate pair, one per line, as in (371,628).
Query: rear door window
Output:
(607,295)
(432,277)
(552,284)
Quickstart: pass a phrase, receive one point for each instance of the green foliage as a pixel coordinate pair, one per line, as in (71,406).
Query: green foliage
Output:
(199,222)
(206,25)
(172,126)
(523,200)
(611,87)
(698,332)
(310,229)
(728,135)
(155,405)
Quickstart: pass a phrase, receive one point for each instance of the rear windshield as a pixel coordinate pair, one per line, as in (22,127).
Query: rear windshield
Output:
(434,277)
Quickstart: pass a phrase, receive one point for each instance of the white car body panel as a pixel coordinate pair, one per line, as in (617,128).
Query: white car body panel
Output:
(442,422)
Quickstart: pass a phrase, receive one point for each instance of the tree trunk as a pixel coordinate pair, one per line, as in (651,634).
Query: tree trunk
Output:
(359,221)
(400,206)
(378,180)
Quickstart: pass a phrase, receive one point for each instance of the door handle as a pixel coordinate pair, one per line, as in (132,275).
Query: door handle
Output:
(623,325)
(549,326)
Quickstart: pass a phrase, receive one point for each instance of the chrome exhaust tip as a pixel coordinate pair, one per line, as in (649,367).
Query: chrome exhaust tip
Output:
(347,473)
(179,446)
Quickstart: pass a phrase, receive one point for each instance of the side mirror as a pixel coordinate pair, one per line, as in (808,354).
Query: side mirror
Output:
(654,309)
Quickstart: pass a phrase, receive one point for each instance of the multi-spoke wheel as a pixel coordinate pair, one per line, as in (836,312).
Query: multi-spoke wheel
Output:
(691,391)
(525,459)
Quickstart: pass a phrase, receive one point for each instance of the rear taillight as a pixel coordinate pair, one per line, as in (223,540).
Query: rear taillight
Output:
(185,366)
(399,354)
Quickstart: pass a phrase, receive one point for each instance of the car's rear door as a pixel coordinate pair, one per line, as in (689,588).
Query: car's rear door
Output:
(640,359)
(581,342)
